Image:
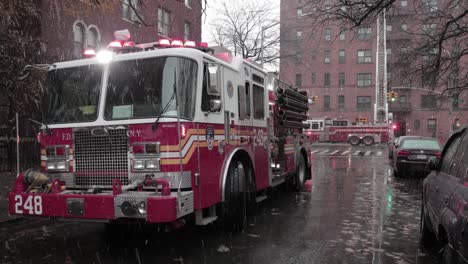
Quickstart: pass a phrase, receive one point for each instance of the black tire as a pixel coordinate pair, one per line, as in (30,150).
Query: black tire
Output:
(234,208)
(301,174)
(368,141)
(446,256)
(354,140)
(427,237)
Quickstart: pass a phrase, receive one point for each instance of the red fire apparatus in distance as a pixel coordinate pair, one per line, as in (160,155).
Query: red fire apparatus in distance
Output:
(161,132)
(339,130)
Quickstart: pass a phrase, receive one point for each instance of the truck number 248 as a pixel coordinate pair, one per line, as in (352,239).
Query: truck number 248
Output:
(32,205)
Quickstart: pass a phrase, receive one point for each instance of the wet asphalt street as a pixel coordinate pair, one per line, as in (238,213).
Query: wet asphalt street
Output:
(356,213)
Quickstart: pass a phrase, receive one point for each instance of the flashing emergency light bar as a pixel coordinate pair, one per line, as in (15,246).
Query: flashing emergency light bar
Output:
(89,53)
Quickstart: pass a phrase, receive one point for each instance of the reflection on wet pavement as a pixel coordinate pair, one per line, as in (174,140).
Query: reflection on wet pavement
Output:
(356,213)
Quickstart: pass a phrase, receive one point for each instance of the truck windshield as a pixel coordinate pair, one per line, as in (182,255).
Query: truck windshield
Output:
(142,88)
(72,94)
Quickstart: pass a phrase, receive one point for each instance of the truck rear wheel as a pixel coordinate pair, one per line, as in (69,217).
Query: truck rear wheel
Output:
(234,208)
(368,140)
(300,175)
(354,140)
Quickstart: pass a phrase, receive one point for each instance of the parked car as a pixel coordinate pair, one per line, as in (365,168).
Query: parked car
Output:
(444,211)
(411,154)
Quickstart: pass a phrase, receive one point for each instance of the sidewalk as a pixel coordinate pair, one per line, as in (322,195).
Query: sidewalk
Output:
(7,179)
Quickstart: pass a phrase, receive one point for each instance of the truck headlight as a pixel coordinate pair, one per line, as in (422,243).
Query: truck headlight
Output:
(61,165)
(138,164)
(142,207)
(152,164)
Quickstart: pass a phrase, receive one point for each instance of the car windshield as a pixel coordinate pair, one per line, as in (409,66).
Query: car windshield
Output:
(72,94)
(420,144)
(142,88)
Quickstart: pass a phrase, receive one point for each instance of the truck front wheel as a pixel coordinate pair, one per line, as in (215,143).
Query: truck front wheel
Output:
(234,208)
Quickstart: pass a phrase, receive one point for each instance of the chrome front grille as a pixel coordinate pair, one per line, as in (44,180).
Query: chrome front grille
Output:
(100,158)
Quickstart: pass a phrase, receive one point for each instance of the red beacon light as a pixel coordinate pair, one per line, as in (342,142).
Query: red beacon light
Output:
(129,44)
(164,43)
(190,44)
(89,53)
(177,43)
(115,44)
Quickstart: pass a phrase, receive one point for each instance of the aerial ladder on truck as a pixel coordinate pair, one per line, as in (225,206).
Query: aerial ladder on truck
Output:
(381,105)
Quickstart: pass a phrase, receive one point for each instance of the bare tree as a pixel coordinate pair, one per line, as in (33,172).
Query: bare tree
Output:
(242,27)
(433,54)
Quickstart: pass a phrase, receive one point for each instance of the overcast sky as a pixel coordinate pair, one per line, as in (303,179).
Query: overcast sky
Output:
(211,14)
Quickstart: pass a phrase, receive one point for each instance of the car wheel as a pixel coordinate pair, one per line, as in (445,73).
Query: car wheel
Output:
(427,236)
(368,140)
(354,141)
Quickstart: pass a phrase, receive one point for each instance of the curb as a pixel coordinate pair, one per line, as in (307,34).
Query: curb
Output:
(11,220)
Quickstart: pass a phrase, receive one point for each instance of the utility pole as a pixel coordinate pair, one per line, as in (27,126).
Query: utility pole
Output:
(263,40)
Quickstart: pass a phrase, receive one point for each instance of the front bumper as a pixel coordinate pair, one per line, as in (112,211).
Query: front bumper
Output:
(104,206)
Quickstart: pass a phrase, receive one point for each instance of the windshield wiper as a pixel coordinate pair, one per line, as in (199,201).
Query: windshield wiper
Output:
(166,107)
(47,129)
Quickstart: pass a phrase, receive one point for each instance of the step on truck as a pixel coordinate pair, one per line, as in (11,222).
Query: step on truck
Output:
(162,132)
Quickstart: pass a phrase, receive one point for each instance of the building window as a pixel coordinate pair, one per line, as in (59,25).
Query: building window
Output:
(164,18)
(429,29)
(298,80)
(326,79)
(455,102)
(432,124)
(363,103)
(431,5)
(78,40)
(298,35)
(326,102)
(341,102)
(364,56)
(404,3)
(342,34)
(187,30)
(455,126)
(93,38)
(328,34)
(428,101)
(389,54)
(389,28)
(429,77)
(341,57)
(389,76)
(404,27)
(341,79)
(364,79)
(314,55)
(364,33)
(327,57)
(299,12)
(128,10)
(298,57)
(313,77)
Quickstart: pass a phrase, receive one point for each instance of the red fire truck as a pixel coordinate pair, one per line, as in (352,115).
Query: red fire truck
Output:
(161,132)
(339,130)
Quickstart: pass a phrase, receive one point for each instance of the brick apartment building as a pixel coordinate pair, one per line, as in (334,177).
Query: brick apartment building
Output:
(68,27)
(339,66)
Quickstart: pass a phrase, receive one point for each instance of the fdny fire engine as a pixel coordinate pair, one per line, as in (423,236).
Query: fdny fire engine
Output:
(161,132)
(339,130)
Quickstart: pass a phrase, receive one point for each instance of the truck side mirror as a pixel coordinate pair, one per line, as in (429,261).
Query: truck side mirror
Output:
(213,88)
(433,164)
(215,105)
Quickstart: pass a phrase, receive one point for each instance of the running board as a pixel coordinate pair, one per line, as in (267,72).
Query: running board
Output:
(278,178)
(260,198)
(204,220)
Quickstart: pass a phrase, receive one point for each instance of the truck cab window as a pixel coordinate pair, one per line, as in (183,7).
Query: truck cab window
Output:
(206,98)
(247,99)
(259,109)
